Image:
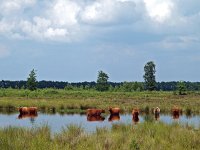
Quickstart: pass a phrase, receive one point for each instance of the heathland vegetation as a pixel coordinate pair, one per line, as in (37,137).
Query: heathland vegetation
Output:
(120,137)
(79,101)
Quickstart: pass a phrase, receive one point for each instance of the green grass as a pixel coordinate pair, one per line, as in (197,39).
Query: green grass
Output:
(79,101)
(120,137)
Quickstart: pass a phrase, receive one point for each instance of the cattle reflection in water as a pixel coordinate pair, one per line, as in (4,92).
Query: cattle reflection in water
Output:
(135,114)
(23,116)
(176,111)
(157,116)
(95,118)
(114,118)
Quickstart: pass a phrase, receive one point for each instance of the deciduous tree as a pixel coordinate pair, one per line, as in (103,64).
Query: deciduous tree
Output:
(149,76)
(181,88)
(102,81)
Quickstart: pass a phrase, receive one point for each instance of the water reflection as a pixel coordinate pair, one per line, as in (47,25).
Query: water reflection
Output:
(148,118)
(114,117)
(157,116)
(23,116)
(95,118)
(175,115)
(57,121)
(30,116)
(135,119)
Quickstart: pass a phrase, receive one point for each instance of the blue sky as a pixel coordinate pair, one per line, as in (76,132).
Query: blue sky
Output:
(71,40)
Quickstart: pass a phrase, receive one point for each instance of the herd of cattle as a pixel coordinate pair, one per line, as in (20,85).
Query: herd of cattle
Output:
(95,114)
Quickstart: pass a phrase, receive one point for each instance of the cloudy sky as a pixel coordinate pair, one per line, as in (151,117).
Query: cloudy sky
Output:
(71,40)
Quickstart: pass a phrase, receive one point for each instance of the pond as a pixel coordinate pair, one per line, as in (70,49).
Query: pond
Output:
(57,121)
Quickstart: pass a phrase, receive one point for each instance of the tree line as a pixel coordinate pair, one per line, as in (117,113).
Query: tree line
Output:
(102,83)
(118,86)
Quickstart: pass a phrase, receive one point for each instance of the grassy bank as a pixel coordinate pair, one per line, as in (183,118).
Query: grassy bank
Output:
(79,101)
(123,137)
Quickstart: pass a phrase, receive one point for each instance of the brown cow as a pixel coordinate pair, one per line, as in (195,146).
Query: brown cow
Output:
(23,116)
(94,112)
(176,112)
(28,110)
(135,114)
(156,112)
(114,111)
(114,118)
(95,118)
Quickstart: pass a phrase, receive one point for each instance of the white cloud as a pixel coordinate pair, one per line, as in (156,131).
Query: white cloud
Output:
(11,6)
(68,20)
(159,10)
(107,11)
(52,33)
(5,26)
(64,12)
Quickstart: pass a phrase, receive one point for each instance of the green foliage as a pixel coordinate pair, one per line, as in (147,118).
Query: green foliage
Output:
(131,86)
(160,86)
(181,88)
(149,76)
(127,87)
(69,87)
(32,81)
(102,81)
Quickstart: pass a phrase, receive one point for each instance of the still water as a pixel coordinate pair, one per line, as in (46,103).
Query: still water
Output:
(56,121)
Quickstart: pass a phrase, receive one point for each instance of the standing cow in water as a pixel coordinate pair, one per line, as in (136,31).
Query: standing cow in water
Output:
(94,112)
(28,110)
(114,111)
(114,114)
(156,112)
(176,112)
(135,114)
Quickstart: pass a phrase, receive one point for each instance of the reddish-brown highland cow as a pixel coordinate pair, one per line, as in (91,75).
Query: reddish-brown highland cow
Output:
(176,112)
(114,111)
(28,110)
(135,114)
(156,112)
(94,112)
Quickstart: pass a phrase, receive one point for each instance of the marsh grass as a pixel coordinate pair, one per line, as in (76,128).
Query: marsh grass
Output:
(120,137)
(64,100)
